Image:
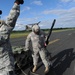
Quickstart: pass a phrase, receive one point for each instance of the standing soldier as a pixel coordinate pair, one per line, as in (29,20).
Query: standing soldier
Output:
(37,37)
(6,55)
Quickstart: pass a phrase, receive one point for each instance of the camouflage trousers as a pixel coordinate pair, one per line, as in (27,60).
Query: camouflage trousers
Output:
(3,72)
(42,54)
(6,63)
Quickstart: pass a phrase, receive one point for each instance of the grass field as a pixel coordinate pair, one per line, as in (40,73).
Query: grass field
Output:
(17,35)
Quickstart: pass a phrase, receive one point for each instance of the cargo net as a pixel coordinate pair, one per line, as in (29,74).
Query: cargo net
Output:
(23,60)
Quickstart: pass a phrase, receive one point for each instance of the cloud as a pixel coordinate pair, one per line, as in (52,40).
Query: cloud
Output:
(66,4)
(22,22)
(27,20)
(45,24)
(74,0)
(37,2)
(66,1)
(25,8)
(60,12)
(65,17)
(55,11)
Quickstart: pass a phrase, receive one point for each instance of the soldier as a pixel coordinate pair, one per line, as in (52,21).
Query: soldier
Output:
(6,55)
(37,37)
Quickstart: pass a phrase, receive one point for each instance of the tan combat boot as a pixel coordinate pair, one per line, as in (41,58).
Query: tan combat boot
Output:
(34,69)
(46,70)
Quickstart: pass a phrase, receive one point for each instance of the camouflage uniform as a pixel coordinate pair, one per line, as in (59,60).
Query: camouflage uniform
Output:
(6,55)
(38,42)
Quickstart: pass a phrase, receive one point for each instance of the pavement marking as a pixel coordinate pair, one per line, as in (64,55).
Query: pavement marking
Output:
(54,41)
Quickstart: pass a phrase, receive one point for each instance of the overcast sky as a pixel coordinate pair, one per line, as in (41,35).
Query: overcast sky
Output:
(46,11)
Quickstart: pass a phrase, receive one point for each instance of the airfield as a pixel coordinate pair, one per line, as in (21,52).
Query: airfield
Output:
(62,50)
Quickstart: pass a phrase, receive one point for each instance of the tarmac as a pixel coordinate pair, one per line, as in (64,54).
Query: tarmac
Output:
(62,51)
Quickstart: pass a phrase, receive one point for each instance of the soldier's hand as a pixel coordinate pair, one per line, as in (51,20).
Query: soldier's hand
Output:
(0,12)
(45,45)
(19,1)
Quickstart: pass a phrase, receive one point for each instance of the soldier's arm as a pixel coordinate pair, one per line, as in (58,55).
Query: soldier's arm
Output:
(27,42)
(45,35)
(13,15)
(45,38)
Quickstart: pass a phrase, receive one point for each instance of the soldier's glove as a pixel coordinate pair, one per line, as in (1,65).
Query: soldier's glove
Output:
(19,1)
(0,12)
